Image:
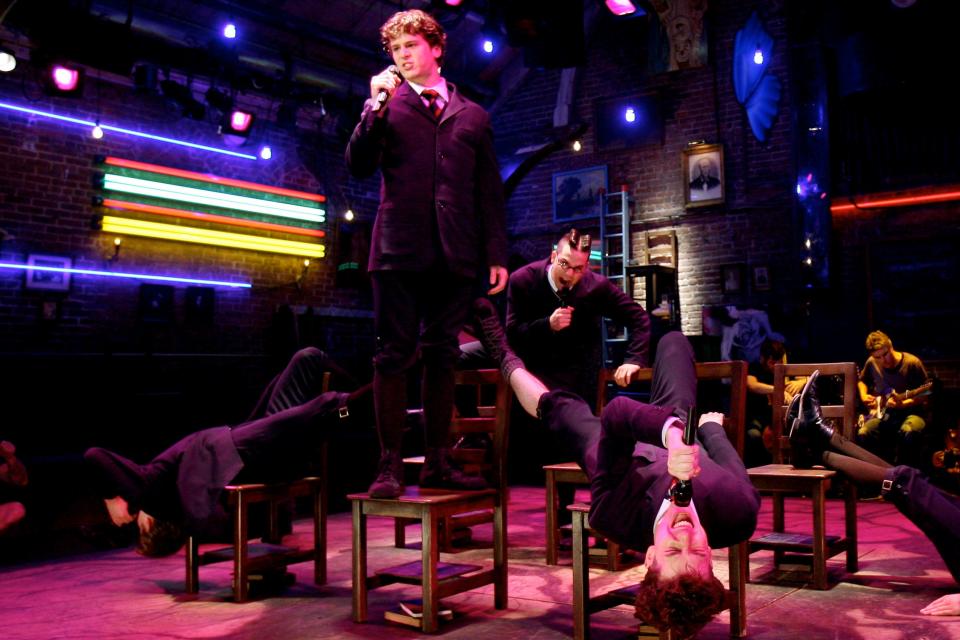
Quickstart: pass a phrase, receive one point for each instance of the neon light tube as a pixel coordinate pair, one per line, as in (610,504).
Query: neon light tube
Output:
(130,132)
(205,177)
(131,276)
(179,193)
(180,233)
(123,205)
(895,201)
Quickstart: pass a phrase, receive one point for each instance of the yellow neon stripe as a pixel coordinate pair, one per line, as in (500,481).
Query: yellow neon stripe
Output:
(179,193)
(181,233)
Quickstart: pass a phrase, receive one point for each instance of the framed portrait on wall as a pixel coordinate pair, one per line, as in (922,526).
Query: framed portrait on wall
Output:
(732,278)
(761,278)
(703,175)
(46,272)
(577,194)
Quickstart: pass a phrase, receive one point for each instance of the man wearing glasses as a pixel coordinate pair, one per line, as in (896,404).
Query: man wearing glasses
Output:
(554,307)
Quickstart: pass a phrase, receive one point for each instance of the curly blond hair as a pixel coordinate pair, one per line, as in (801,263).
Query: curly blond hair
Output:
(414,22)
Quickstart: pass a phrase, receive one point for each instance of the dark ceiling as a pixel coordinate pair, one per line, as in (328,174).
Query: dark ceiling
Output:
(284,48)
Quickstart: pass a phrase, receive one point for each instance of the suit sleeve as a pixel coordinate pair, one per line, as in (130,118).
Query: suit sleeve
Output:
(525,325)
(489,200)
(366,143)
(620,308)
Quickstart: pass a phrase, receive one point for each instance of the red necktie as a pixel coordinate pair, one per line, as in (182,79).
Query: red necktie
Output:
(433,102)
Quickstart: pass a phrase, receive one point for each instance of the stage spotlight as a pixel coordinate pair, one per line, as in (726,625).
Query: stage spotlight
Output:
(630,114)
(266,152)
(453,3)
(230,31)
(8,61)
(239,122)
(64,80)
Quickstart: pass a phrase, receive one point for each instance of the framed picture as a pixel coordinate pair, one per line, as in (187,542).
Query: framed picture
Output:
(577,194)
(43,272)
(733,278)
(761,278)
(703,175)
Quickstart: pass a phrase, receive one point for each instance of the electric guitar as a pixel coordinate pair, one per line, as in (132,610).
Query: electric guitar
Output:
(879,410)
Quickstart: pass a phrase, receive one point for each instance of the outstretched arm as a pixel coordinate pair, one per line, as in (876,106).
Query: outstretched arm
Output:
(945,606)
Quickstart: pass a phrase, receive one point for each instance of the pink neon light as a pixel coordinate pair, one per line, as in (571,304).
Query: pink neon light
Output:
(65,79)
(240,121)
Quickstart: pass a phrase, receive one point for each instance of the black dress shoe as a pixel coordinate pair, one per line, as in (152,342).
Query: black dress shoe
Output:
(441,472)
(809,434)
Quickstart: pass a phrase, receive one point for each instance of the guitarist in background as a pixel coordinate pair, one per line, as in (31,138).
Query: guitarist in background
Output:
(892,427)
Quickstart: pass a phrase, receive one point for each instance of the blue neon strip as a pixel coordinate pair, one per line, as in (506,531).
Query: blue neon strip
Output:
(131,276)
(129,132)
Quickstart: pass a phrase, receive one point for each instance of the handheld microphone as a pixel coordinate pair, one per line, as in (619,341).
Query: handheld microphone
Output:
(383,94)
(681,491)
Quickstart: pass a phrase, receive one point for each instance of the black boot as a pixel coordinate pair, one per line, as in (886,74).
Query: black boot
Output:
(389,482)
(809,434)
(490,333)
(441,472)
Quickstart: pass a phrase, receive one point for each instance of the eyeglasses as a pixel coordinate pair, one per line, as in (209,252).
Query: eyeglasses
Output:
(566,266)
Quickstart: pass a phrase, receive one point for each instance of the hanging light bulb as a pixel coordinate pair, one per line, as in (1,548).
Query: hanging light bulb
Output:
(97,132)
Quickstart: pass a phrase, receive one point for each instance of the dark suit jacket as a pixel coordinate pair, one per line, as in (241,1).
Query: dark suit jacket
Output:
(441,197)
(627,490)
(569,359)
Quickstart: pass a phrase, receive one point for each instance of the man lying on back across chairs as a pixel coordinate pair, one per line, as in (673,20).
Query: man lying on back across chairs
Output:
(179,491)
(630,483)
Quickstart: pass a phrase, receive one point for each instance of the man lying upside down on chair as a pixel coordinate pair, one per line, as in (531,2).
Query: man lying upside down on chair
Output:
(629,483)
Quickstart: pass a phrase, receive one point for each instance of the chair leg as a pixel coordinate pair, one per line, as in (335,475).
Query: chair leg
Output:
(552,533)
(778,526)
(500,556)
(320,536)
(193,565)
(400,532)
(613,556)
(430,558)
(739,560)
(359,605)
(819,538)
(581,577)
(241,579)
(850,512)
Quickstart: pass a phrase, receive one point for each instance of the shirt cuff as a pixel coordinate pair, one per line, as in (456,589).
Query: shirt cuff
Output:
(666,425)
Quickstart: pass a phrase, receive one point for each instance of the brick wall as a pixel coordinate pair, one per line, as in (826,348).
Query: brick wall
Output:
(45,207)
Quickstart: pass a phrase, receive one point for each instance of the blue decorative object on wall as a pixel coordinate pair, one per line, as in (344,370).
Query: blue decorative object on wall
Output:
(756,90)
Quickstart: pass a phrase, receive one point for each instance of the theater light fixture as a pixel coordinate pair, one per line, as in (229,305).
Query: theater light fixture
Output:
(183,233)
(64,80)
(129,276)
(8,61)
(238,123)
(230,31)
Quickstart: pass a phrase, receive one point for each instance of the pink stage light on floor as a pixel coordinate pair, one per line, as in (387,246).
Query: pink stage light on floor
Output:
(621,7)
(240,122)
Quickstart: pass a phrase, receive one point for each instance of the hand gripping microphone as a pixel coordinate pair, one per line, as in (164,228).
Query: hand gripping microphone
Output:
(681,491)
(383,94)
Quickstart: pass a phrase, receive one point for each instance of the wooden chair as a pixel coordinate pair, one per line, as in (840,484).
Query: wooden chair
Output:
(269,554)
(584,605)
(429,506)
(780,479)
(570,472)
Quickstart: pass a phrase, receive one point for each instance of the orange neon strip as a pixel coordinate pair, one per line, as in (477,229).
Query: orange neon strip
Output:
(209,217)
(206,177)
(895,201)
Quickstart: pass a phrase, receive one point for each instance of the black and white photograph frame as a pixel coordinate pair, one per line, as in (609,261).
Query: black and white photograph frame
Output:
(47,272)
(578,194)
(733,278)
(761,277)
(703,175)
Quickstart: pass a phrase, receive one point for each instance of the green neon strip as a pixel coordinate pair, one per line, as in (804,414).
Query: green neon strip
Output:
(212,187)
(125,184)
